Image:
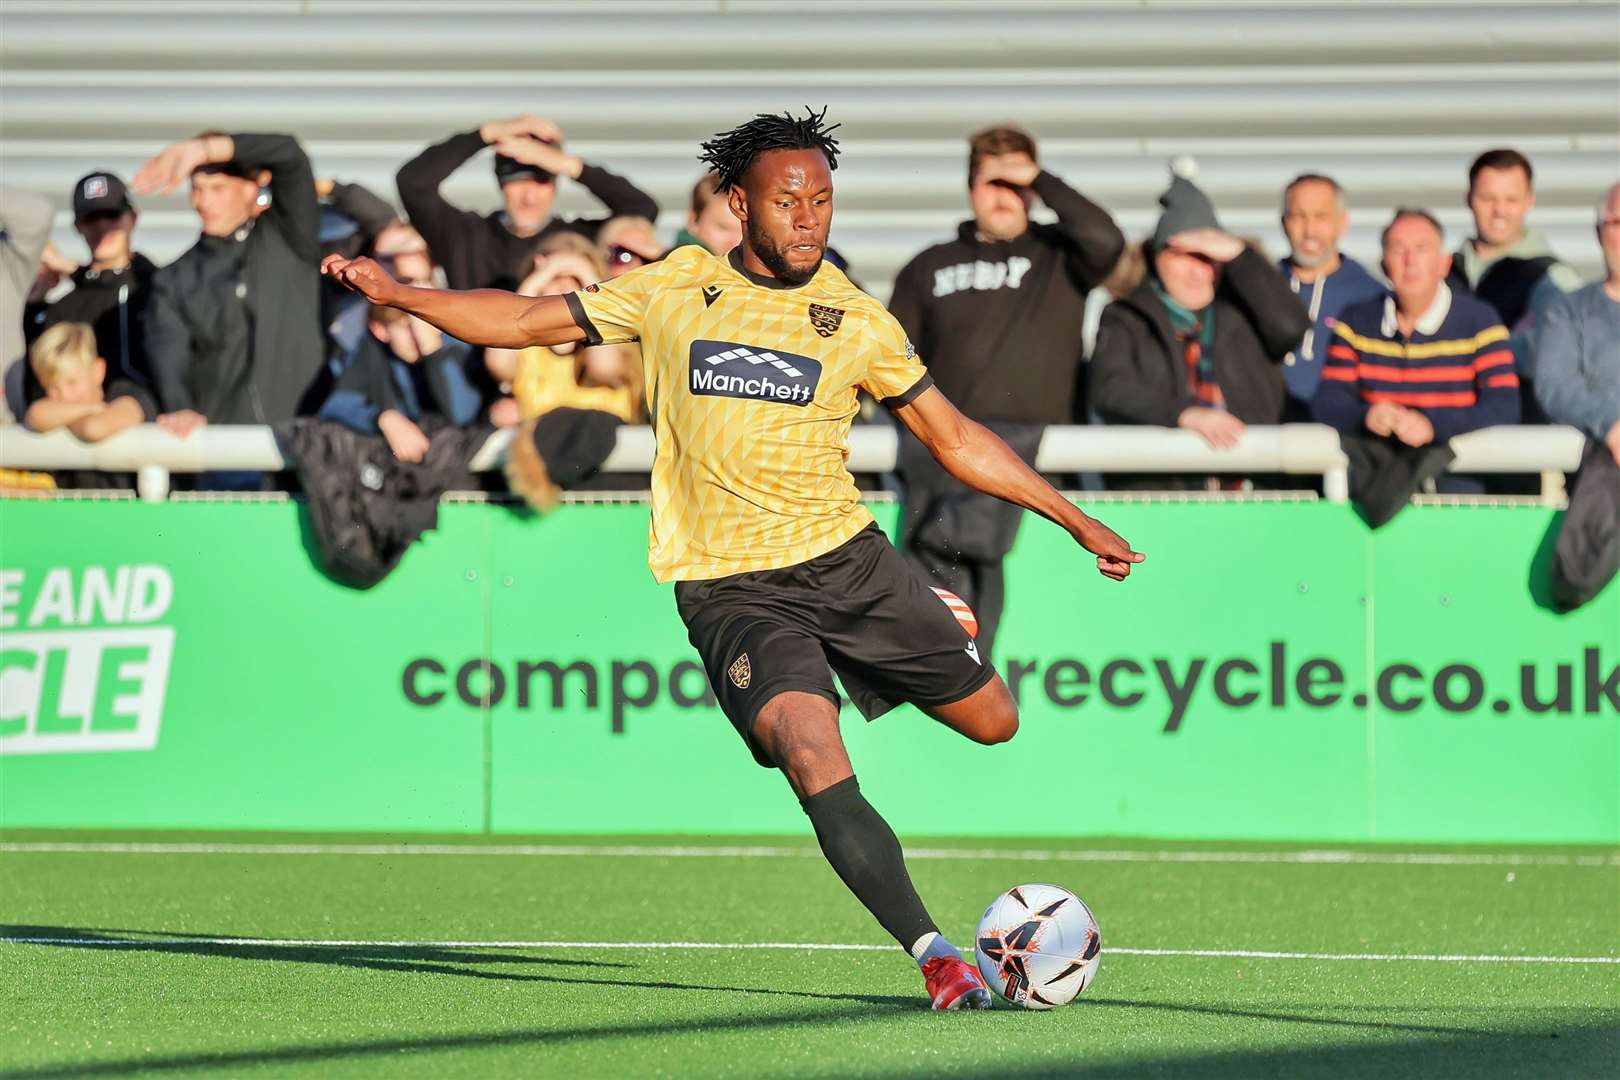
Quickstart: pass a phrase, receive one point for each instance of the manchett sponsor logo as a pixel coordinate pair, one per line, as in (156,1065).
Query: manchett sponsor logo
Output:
(82,667)
(727,369)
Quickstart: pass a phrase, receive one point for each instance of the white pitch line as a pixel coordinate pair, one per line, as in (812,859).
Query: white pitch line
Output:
(1317,857)
(668,946)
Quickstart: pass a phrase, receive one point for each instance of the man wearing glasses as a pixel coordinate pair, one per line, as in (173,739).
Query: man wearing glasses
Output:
(1578,353)
(1578,382)
(626,243)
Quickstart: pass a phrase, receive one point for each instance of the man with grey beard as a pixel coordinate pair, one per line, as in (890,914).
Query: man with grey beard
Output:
(1325,280)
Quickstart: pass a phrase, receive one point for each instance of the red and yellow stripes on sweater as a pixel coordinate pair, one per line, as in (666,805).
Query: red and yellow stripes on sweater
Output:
(1460,375)
(1440,372)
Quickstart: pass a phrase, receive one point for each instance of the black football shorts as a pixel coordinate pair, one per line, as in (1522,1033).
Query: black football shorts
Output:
(859,610)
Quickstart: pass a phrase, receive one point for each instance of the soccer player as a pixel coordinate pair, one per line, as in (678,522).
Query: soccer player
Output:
(752,361)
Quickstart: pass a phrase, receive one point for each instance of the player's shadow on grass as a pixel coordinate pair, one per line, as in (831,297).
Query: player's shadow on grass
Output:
(1577,1047)
(358,1051)
(1267,1014)
(417,959)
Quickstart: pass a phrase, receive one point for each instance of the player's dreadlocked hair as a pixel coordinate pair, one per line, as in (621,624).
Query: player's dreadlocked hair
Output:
(730,153)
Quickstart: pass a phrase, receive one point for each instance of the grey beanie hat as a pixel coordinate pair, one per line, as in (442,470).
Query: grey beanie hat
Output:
(1185,205)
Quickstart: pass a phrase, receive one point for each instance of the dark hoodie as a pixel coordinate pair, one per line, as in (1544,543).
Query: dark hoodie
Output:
(1000,323)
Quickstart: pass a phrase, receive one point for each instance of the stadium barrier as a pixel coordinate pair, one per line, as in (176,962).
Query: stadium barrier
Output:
(1293,449)
(1274,671)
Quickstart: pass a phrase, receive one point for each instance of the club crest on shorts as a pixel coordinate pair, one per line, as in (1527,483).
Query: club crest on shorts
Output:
(740,672)
(826,320)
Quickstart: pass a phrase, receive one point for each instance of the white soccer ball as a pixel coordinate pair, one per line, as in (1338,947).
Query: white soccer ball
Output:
(1039,946)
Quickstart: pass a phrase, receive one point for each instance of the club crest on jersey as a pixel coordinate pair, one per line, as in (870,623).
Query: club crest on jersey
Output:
(826,320)
(733,370)
(593,287)
(739,672)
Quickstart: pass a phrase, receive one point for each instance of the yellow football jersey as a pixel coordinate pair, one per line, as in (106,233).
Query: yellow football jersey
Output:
(751,389)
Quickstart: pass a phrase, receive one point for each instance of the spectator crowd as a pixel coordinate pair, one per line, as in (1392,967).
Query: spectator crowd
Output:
(1201,332)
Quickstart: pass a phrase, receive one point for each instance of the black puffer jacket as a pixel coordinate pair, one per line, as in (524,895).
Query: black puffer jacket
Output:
(366,506)
(233,329)
(1138,375)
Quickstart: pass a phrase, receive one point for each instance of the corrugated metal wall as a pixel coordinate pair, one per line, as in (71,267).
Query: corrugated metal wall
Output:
(1392,98)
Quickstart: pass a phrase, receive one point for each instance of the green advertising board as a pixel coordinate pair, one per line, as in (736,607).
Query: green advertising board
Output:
(1274,671)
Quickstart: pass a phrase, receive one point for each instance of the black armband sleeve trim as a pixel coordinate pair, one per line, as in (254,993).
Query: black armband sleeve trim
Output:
(916,391)
(582,320)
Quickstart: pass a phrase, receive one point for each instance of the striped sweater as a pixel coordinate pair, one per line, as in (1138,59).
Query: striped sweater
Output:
(1456,368)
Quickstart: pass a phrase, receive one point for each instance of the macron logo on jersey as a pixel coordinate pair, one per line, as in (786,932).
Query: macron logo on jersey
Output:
(727,369)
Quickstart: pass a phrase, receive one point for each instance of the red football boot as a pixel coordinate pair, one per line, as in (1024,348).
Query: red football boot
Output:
(954,983)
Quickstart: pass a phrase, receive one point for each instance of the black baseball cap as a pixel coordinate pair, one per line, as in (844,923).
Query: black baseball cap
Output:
(508,169)
(100,192)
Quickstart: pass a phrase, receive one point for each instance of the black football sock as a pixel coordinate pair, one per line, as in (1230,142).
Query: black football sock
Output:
(865,853)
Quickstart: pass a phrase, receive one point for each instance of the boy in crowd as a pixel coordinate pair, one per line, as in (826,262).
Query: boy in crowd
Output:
(77,395)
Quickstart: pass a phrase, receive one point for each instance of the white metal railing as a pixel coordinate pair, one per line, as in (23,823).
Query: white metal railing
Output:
(1294,449)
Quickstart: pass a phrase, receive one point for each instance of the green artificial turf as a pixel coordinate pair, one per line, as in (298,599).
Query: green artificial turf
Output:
(182,1006)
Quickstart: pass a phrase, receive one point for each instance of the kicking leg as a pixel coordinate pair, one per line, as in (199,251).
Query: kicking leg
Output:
(800,733)
(988,715)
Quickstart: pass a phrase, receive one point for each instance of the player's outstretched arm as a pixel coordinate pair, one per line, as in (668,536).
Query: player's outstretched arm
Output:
(488,317)
(975,455)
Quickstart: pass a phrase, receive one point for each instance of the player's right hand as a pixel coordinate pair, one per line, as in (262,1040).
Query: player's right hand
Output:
(1114,556)
(363,276)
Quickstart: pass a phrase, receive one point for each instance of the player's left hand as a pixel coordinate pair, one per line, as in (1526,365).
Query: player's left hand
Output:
(1114,555)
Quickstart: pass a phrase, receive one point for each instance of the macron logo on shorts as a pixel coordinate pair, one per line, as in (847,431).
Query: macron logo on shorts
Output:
(727,369)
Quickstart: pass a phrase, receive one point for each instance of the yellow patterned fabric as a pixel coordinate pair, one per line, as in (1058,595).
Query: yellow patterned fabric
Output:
(751,388)
(546,381)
